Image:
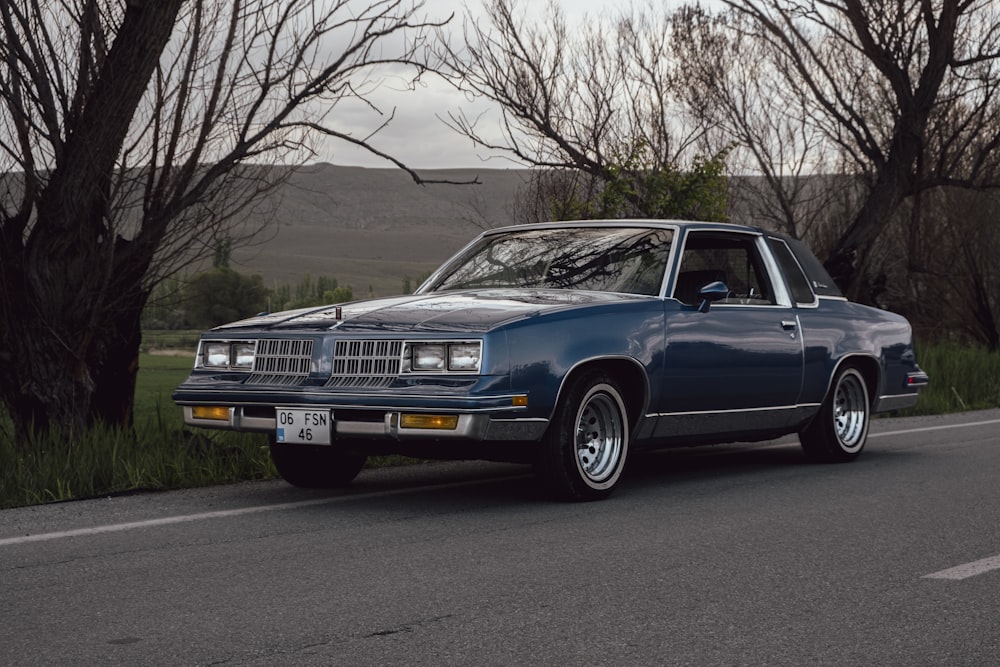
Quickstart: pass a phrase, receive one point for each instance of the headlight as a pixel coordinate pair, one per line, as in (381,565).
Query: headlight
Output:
(427,357)
(460,357)
(464,356)
(215,355)
(242,355)
(234,355)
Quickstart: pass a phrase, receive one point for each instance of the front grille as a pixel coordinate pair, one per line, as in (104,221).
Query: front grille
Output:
(282,361)
(365,363)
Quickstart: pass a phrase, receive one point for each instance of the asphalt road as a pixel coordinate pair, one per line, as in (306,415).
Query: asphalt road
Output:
(718,556)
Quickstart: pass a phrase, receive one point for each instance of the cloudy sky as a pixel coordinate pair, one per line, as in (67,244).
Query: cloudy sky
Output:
(416,135)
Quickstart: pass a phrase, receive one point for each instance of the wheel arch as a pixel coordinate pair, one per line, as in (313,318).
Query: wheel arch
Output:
(630,375)
(869,368)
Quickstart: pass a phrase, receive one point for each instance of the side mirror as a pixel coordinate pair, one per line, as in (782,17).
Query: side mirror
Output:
(710,293)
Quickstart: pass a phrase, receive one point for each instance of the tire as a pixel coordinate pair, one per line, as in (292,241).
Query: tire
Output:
(837,434)
(316,466)
(586,446)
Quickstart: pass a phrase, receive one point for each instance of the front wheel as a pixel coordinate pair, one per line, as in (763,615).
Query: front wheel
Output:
(584,450)
(838,432)
(316,466)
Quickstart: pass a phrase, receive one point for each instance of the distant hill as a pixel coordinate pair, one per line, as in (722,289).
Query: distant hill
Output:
(374,228)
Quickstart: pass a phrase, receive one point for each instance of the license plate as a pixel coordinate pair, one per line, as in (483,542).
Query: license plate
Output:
(309,427)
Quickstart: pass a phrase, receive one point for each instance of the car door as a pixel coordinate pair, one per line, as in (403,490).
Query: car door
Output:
(740,363)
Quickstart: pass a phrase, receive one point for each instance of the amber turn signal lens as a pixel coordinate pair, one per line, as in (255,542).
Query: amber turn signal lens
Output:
(441,422)
(217,412)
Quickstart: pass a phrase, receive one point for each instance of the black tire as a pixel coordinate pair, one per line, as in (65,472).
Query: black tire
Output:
(316,466)
(838,433)
(585,448)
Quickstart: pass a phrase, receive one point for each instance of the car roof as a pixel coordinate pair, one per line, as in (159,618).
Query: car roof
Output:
(630,222)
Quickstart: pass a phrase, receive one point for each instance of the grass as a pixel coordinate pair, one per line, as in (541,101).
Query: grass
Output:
(107,461)
(963,377)
(162,454)
(171,339)
(159,455)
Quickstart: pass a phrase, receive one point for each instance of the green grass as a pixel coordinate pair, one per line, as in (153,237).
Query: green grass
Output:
(963,377)
(162,454)
(170,339)
(158,376)
(107,461)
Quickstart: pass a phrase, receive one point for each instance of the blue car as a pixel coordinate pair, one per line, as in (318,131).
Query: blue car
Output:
(566,345)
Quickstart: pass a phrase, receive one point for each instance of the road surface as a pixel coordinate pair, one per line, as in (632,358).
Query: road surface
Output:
(735,555)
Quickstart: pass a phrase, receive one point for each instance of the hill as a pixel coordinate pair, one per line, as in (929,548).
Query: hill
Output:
(374,228)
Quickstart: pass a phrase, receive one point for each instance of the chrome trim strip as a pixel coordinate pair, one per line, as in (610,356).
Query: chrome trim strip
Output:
(498,402)
(733,424)
(782,295)
(797,406)
(892,402)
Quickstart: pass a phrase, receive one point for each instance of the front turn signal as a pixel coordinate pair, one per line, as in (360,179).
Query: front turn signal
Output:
(438,422)
(215,412)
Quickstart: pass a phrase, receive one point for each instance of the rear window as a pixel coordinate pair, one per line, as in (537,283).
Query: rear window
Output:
(819,280)
(797,281)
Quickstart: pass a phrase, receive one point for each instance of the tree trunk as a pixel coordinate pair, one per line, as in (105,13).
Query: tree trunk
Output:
(114,380)
(44,383)
(895,182)
(70,361)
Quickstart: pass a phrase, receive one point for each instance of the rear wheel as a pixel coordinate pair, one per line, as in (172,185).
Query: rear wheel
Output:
(584,450)
(839,431)
(316,466)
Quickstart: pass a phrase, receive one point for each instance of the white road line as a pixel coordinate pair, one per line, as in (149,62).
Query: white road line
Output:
(933,428)
(967,570)
(116,527)
(185,518)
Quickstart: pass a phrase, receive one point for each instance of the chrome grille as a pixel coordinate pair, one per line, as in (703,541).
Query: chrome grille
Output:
(365,363)
(283,361)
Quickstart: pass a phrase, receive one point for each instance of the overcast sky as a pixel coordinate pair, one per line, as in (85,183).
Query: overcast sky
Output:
(416,136)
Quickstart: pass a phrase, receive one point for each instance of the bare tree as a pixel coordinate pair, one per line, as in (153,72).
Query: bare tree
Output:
(956,290)
(129,136)
(789,174)
(905,90)
(596,100)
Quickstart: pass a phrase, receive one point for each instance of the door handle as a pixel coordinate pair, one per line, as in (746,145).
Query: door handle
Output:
(788,325)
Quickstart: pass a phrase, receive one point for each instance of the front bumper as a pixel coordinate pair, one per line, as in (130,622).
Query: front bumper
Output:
(382,424)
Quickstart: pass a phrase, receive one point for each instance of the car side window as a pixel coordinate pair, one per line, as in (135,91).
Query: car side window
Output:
(797,281)
(730,258)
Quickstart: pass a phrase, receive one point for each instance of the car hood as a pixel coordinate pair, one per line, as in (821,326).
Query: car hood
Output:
(469,311)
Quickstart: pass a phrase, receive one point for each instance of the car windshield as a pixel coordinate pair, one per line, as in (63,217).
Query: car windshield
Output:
(608,259)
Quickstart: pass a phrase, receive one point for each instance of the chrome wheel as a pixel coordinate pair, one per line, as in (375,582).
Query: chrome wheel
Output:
(600,436)
(585,448)
(840,428)
(850,412)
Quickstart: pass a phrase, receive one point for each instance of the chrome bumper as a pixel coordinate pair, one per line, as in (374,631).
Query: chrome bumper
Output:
(895,402)
(473,427)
